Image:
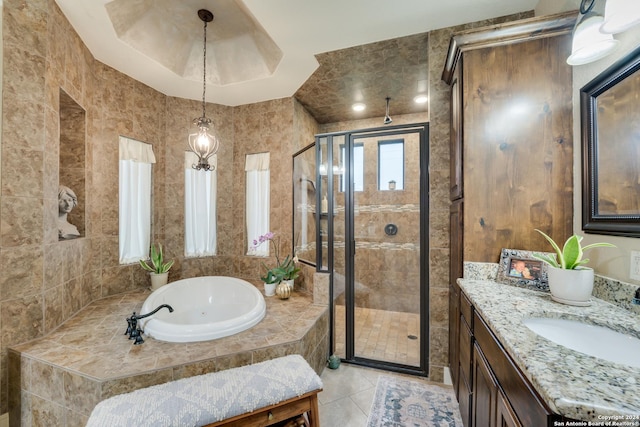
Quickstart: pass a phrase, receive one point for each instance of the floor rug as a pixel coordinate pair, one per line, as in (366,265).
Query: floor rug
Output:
(400,402)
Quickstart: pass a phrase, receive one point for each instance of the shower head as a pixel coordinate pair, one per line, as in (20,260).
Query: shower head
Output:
(387,118)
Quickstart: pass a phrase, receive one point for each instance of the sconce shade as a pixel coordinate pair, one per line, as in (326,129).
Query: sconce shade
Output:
(589,44)
(620,15)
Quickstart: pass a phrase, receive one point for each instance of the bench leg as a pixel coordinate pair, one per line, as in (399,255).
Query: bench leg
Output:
(314,415)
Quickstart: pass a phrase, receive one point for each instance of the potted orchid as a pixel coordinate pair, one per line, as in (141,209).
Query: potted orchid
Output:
(285,271)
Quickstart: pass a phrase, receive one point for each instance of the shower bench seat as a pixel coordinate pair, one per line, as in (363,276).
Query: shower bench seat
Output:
(262,394)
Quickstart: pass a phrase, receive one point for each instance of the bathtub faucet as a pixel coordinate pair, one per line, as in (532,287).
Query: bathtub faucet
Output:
(132,323)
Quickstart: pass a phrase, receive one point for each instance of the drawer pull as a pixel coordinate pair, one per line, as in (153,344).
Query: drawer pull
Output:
(270,416)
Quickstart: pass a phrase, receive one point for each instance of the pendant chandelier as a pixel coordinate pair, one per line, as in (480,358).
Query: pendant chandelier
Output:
(204,142)
(387,117)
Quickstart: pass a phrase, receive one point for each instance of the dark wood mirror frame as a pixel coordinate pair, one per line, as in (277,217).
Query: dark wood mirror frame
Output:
(593,219)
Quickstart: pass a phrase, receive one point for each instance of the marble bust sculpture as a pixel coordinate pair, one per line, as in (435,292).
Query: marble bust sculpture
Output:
(67,200)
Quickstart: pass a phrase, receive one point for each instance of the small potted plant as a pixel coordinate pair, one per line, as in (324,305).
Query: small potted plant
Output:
(289,271)
(158,270)
(285,271)
(570,281)
(271,279)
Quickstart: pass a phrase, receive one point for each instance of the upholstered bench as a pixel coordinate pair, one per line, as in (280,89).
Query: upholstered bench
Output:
(255,395)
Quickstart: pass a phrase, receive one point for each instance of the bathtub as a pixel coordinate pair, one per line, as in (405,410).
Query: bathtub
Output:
(205,308)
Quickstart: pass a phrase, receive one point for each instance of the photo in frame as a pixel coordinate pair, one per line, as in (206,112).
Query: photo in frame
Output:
(520,268)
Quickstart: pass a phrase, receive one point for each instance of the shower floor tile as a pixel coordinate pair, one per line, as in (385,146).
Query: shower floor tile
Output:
(390,336)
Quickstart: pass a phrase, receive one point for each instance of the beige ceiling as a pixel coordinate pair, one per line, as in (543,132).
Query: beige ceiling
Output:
(280,45)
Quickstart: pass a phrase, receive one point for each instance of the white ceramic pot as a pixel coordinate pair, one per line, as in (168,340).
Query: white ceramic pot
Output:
(573,287)
(158,280)
(270,289)
(289,283)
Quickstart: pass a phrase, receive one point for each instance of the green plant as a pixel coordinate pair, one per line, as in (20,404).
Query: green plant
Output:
(288,269)
(570,257)
(272,276)
(158,265)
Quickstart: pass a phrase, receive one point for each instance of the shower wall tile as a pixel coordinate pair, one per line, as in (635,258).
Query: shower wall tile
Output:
(14,133)
(26,25)
(21,272)
(20,221)
(53,308)
(24,75)
(439,268)
(439,307)
(21,319)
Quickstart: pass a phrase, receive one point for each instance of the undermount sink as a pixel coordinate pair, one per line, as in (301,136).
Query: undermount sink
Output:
(596,341)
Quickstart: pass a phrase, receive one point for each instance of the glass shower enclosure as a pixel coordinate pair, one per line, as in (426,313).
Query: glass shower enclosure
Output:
(372,236)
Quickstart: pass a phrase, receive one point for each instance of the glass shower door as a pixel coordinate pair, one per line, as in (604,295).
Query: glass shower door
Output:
(386,247)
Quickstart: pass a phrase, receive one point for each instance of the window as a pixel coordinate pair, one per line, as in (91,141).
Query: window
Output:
(200,190)
(135,163)
(391,165)
(358,167)
(257,201)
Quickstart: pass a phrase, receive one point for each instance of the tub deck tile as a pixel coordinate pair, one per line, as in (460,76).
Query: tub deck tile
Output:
(94,356)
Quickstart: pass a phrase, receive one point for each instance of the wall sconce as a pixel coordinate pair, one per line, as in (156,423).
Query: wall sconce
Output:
(620,15)
(589,43)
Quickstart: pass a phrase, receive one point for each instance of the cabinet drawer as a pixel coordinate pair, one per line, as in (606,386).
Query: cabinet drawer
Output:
(466,310)
(465,344)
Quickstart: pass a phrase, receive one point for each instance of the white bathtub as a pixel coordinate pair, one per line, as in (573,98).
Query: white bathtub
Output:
(205,308)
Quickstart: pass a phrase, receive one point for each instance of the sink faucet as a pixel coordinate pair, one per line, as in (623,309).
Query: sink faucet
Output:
(636,299)
(132,324)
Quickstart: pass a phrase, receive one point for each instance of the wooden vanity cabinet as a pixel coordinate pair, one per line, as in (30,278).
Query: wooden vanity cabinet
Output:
(492,391)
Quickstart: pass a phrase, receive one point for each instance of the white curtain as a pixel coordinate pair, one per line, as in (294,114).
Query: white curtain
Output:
(135,199)
(200,189)
(257,203)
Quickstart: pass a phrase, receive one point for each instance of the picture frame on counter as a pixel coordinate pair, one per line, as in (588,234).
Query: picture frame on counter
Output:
(520,268)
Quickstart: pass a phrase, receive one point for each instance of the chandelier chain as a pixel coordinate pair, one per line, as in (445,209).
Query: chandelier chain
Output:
(204,69)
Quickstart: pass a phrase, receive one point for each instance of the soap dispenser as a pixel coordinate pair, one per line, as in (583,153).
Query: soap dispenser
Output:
(324,205)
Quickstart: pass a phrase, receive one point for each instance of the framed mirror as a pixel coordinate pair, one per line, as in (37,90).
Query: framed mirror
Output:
(610,116)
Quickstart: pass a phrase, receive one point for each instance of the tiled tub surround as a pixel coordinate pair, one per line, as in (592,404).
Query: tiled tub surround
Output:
(573,384)
(58,379)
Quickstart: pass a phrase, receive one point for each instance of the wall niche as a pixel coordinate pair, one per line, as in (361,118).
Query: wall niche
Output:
(71,204)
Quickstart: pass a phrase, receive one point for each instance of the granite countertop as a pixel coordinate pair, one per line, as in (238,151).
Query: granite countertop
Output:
(573,384)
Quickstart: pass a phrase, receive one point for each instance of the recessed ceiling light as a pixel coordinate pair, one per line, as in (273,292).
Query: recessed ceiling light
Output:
(421,99)
(358,106)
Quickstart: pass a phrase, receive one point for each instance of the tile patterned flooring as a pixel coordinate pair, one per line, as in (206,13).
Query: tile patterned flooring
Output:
(348,394)
(382,335)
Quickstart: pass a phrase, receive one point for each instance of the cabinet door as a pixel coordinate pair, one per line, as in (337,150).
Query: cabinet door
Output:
(454,332)
(485,391)
(505,415)
(518,148)
(464,399)
(455,142)
(455,272)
